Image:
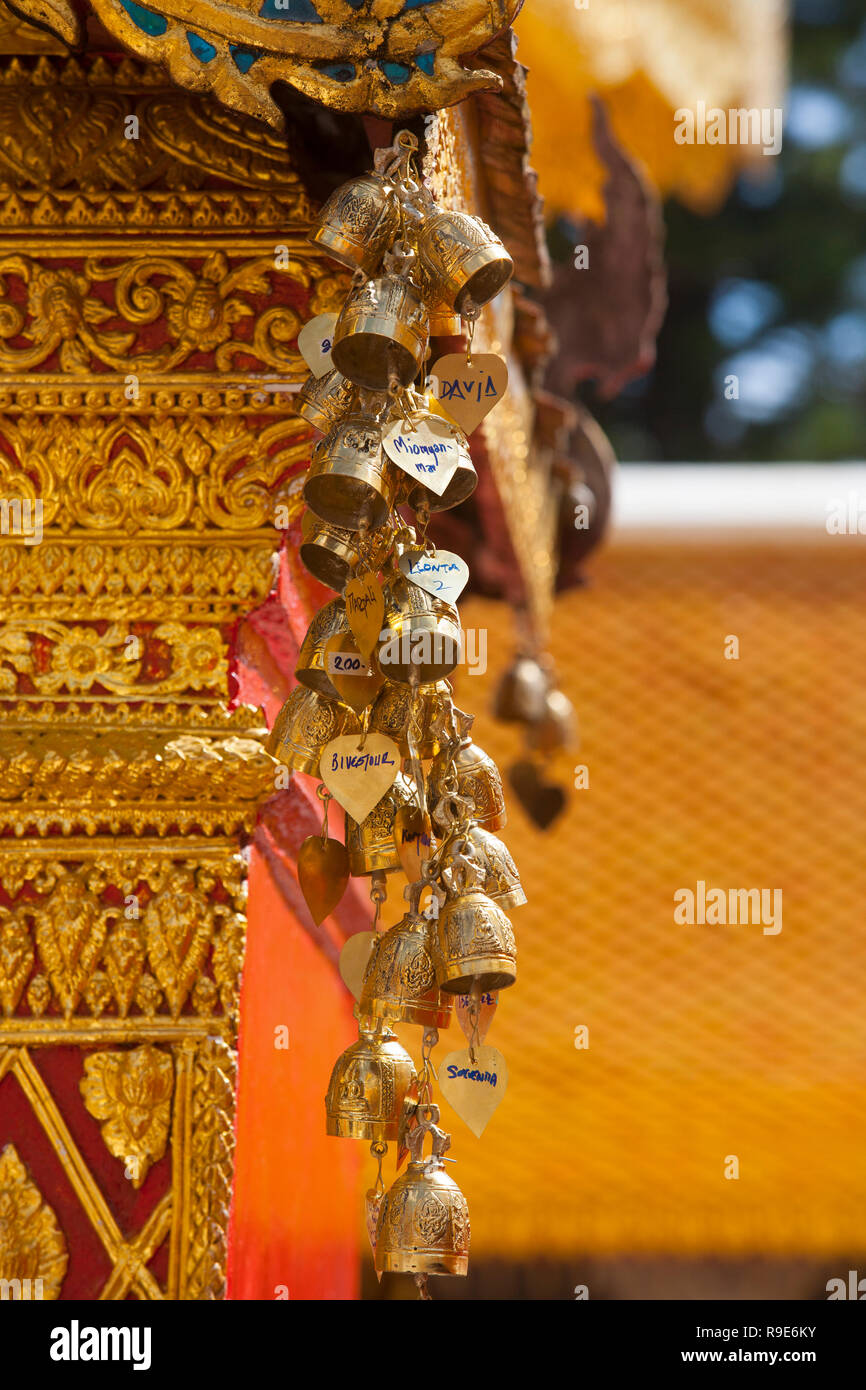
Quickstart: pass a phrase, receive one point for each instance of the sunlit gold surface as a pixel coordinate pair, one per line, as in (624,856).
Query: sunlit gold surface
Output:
(369,39)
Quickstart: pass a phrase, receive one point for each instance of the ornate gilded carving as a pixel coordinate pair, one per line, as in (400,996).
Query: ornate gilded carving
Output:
(124,936)
(153,276)
(197,309)
(210,1168)
(130,1094)
(123,475)
(356,55)
(32,1246)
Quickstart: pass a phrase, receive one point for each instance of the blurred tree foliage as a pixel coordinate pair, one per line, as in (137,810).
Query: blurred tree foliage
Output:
(772,289)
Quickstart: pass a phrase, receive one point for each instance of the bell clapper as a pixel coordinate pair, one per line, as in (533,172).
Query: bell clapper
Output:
(378,894)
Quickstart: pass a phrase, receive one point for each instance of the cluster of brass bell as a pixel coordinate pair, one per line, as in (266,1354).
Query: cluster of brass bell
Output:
(419,269)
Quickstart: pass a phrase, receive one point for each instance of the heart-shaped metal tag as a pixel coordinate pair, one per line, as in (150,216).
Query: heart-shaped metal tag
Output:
(428,450)
(474,1089)
(441,573)
(353,961)
(356,682)
(468,393)
(315,341)
(365,611)
(359,773)
(486,1009)
(323,872)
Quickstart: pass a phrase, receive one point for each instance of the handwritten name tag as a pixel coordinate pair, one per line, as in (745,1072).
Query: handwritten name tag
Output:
(356,682)
(468,393)
(315,341)
(365,610)
(474,1088)
(428,452)
(359,776)
(443,573)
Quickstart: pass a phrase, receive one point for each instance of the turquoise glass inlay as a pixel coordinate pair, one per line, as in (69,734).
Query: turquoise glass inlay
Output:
(146,20)
(202,50)
(396,73)
(340,72)
(242,56)
(426,62)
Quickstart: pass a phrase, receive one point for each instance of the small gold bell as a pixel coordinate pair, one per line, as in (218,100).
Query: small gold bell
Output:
(423,1225)
(478,780)
(474,942)
(521,692)
(358,222)
(422,640)
(381,334)
(328,552)
(311,670)
(371,845)
(501,881)
(350,482)
(464,260)
(304,725)
(369,1084)
(323,400)
(462,482)
(400,980)
(391,712)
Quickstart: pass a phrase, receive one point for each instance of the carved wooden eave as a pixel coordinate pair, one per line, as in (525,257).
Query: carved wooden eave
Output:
(390,60)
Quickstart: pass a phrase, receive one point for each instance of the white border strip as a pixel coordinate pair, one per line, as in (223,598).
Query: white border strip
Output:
(824,499)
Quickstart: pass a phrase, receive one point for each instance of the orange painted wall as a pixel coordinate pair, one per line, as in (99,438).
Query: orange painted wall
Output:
(295,1215)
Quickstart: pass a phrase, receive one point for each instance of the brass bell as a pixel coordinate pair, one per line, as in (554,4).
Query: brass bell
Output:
(444,322)
(323,400)
(464,260)
(461,484)
(555,728)
(400,980)
(520,695)
(328,552)
(311,670)
(422,640)
(350,482)
(304,725)
(381,334)
(358,222)
(474,942)
(501,881)
(369,1085)
(423,1224)
(371,845)
(391,711)
(478,780)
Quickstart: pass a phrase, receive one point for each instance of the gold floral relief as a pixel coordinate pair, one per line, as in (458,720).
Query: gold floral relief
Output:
(196,310)
(125,935)
(33,1252)
(130,1094)
(164,475)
